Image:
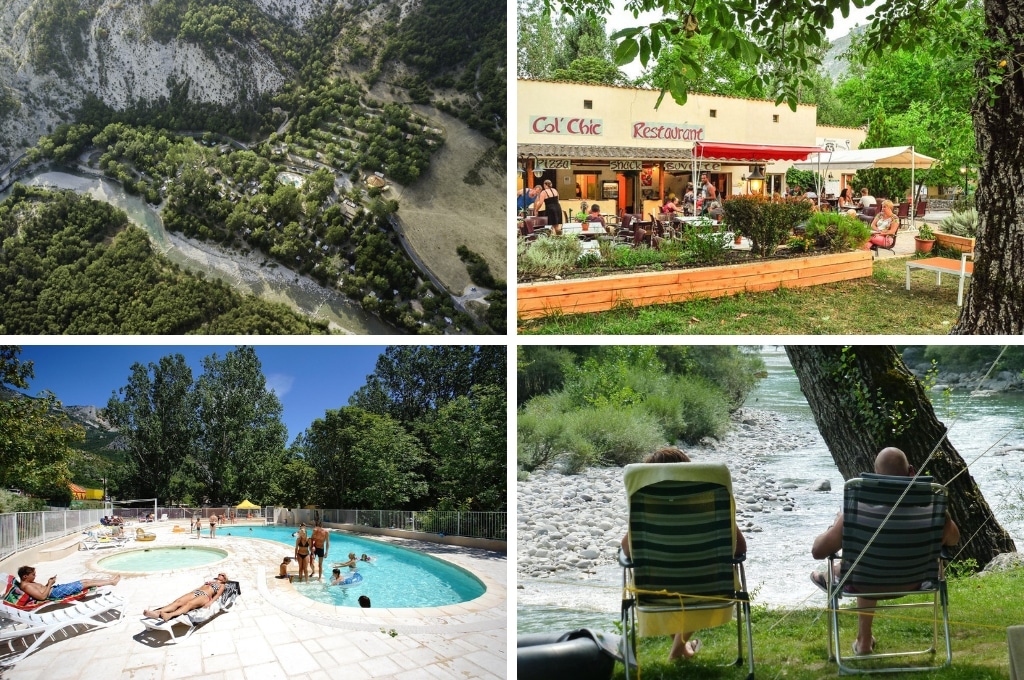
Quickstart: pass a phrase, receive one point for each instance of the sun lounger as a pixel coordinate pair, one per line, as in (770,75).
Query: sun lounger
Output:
(197,617)
(95,541)
(17,625)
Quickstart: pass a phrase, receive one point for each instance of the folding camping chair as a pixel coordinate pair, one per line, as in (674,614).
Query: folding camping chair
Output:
(886,543)
(681,575)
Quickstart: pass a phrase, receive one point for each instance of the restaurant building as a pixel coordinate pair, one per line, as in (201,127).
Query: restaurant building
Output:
(612,145)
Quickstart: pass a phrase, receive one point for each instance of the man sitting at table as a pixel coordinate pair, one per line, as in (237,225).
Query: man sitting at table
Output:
(866,199)
(595,214)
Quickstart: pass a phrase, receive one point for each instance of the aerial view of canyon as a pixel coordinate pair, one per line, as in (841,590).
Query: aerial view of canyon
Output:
(252,166)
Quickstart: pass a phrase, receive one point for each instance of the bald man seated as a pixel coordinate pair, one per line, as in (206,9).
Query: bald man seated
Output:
(889,461)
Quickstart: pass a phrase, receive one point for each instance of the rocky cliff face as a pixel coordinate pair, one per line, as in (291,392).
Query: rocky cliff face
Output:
(114,59)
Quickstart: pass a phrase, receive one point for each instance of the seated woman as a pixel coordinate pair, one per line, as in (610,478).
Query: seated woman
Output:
(352,561)
(845,202)
(682,646)
(670,206)
(203,596)
(882,226)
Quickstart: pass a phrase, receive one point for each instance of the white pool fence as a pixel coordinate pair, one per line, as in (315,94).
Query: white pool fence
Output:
(23,530)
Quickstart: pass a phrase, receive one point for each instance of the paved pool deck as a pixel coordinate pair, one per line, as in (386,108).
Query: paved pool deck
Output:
(272,632)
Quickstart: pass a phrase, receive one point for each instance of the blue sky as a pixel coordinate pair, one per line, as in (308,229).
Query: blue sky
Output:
(308,379)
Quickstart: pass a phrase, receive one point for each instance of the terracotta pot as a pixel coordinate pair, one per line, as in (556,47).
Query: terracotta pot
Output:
(585,226)
(738,239)
(923,246)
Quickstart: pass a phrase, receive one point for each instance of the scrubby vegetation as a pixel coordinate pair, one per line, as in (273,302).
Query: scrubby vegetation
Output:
(611,405)
(961,223)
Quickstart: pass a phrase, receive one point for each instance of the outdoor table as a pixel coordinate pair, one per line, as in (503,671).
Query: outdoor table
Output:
(593,228)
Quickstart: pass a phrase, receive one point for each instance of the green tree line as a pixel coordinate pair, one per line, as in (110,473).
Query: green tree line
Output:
(426,431)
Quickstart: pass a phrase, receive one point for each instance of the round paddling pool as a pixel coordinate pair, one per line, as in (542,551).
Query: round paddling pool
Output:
(396,577)
(161,559)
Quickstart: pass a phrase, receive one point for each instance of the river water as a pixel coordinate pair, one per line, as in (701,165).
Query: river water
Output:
(778,557)
(245,273)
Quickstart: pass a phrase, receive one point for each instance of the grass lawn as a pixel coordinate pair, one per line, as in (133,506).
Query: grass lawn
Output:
(879,305)
(793,645)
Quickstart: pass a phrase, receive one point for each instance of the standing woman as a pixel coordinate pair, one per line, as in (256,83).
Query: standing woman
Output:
(213,526)
(547,204)
(302,551)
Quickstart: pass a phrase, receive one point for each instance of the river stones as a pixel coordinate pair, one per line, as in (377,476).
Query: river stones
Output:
(572,525)
(1003,562)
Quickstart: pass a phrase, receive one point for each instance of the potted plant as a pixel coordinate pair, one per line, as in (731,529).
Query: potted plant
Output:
(925,239)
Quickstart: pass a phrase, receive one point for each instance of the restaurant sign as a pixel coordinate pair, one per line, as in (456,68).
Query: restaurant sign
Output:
(626,166)
(687,166)
(564,125)
(668,131)
(553,164)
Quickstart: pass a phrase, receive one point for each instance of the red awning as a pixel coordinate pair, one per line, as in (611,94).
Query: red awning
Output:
(752,152)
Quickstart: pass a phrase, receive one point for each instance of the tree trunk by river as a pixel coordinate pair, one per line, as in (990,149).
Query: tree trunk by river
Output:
(864,399)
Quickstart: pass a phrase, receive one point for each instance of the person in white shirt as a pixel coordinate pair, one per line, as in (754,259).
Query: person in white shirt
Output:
(866,199)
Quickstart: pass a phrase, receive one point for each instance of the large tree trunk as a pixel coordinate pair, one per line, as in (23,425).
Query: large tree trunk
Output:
(865,399)
(995,305)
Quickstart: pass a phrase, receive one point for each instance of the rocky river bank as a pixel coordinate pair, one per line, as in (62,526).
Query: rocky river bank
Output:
(568,526)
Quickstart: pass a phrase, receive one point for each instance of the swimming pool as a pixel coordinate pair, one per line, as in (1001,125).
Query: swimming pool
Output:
(396,578)
(161,559)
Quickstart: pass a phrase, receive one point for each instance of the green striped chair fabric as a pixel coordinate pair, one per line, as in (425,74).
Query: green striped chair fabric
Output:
(907,548)
(682,540)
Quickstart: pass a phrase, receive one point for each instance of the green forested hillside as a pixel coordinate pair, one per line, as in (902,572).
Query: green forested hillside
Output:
(461,44)
(70,264)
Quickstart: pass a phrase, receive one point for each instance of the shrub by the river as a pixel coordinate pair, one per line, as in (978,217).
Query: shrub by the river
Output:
(615,407)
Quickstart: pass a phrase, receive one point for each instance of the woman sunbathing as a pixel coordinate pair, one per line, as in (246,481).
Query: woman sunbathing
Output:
(203,596)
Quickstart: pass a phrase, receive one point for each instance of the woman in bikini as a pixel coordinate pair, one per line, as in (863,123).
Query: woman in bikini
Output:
(302,551)
(203,596)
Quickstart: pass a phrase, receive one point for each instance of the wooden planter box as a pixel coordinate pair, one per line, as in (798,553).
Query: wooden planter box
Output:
(601,294)
(958,243)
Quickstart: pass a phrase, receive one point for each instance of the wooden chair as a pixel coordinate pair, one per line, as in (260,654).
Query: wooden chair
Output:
(947,265)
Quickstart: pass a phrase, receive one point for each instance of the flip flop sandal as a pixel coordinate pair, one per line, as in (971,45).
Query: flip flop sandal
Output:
(861,652)
(818,579)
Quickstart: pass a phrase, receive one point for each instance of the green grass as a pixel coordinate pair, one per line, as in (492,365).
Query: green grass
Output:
(879,305)
(793,645)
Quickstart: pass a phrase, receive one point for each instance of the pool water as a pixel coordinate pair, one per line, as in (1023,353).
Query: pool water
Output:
(161,559)
(396,577)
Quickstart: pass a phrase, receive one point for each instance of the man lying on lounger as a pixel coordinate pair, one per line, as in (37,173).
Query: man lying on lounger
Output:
(203,596)
(58,591)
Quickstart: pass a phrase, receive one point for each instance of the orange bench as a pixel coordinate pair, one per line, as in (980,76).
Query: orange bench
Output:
(947,265)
